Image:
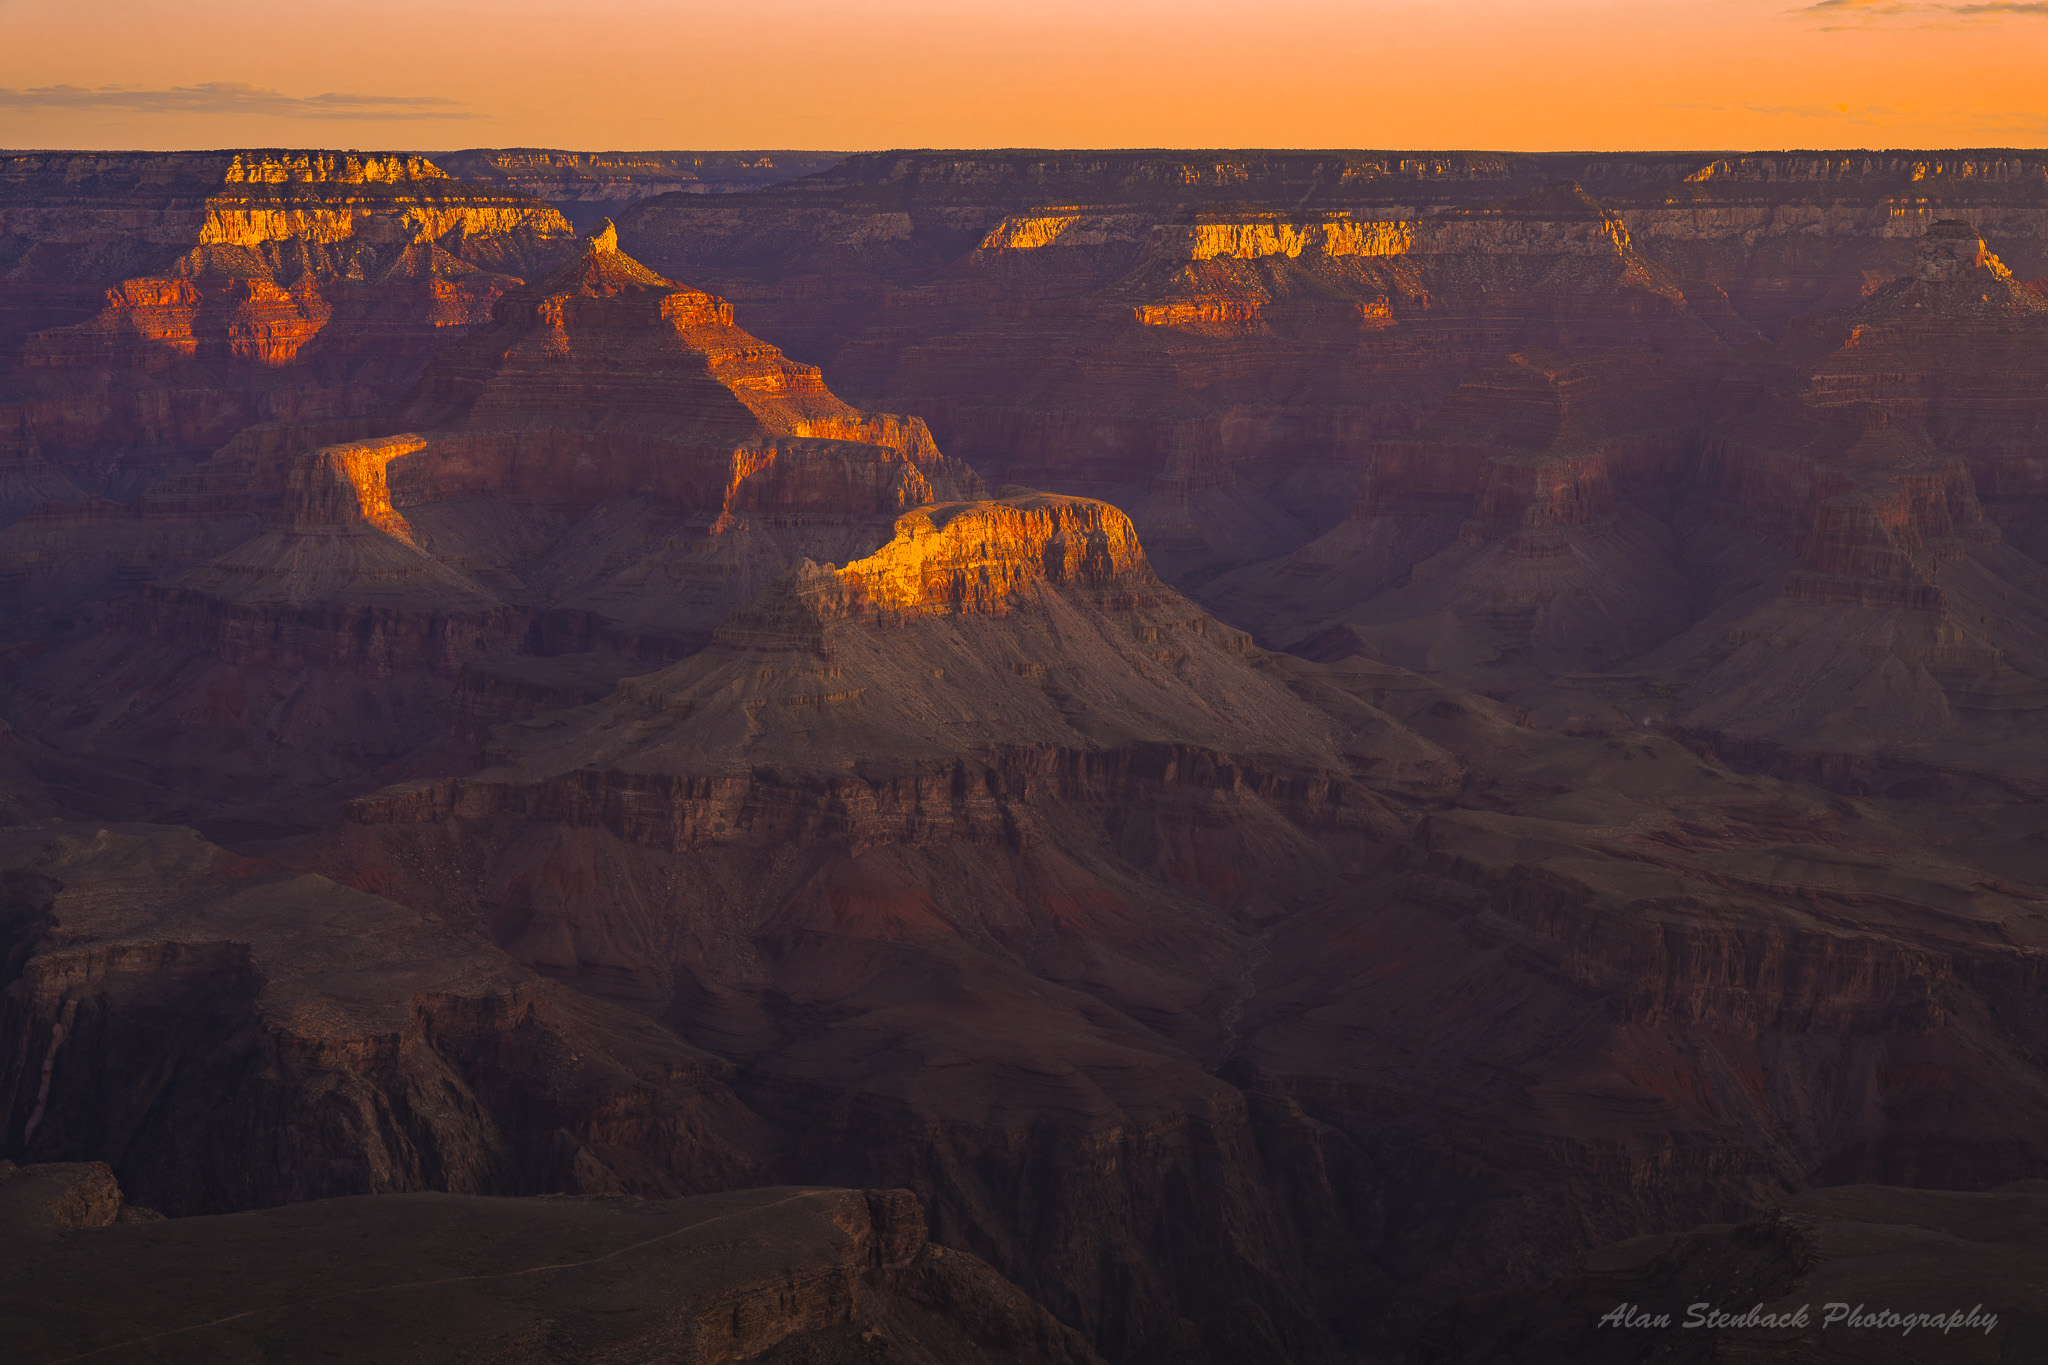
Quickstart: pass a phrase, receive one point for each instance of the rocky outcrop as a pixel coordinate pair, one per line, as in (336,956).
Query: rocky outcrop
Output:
(611,466)
(935,643)
(1787,234)
(1029,348)
(57,1197)
(154,305)
(996,296)
(982,558)
(825,1276)
(986,693)
(600,395)
(986,866)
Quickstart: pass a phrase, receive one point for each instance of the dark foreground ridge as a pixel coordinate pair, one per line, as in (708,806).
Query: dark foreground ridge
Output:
(792,1276)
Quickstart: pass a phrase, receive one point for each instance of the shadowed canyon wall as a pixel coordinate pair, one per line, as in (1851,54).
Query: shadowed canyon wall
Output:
(1286,739)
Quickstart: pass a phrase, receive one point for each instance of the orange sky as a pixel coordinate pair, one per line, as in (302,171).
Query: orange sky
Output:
(1540,74)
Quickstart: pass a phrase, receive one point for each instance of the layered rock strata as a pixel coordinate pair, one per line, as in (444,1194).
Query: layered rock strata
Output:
(1163,353)
(152,306)
(225,1035)
(1519,534)
(611,467)
(590,187)
(1214,342)
(851,827)
(1034,879)
(1909,637)
(988,866)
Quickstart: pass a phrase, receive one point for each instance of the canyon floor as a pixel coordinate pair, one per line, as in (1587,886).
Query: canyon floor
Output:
(1213,757)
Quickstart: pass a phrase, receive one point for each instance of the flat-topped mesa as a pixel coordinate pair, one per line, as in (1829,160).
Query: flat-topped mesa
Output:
(81,174)
(96,218)
(1067,227)
(1560,218)
(1235,271)
(1007,634)
(345,487)
(1235,267)
(134,207)
(986,558)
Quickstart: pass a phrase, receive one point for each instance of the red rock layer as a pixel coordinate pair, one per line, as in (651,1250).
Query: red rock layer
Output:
(987,865)
(612,466)
(1216,370)
(1212,341)
(199,293)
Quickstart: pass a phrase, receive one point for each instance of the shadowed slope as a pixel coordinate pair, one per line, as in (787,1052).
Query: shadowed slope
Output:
(823,1277)
(1910,636)
(1036,880)
(616,466)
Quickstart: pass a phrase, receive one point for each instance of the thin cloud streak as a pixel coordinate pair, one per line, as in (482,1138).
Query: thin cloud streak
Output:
(1885,9)
(236,97)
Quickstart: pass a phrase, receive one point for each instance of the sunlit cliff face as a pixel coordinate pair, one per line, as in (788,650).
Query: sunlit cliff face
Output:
(978,557)
(605,376)
(1953,251)
(273,243)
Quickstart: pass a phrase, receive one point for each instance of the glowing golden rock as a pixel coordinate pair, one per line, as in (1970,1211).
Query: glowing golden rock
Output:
(982,557)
